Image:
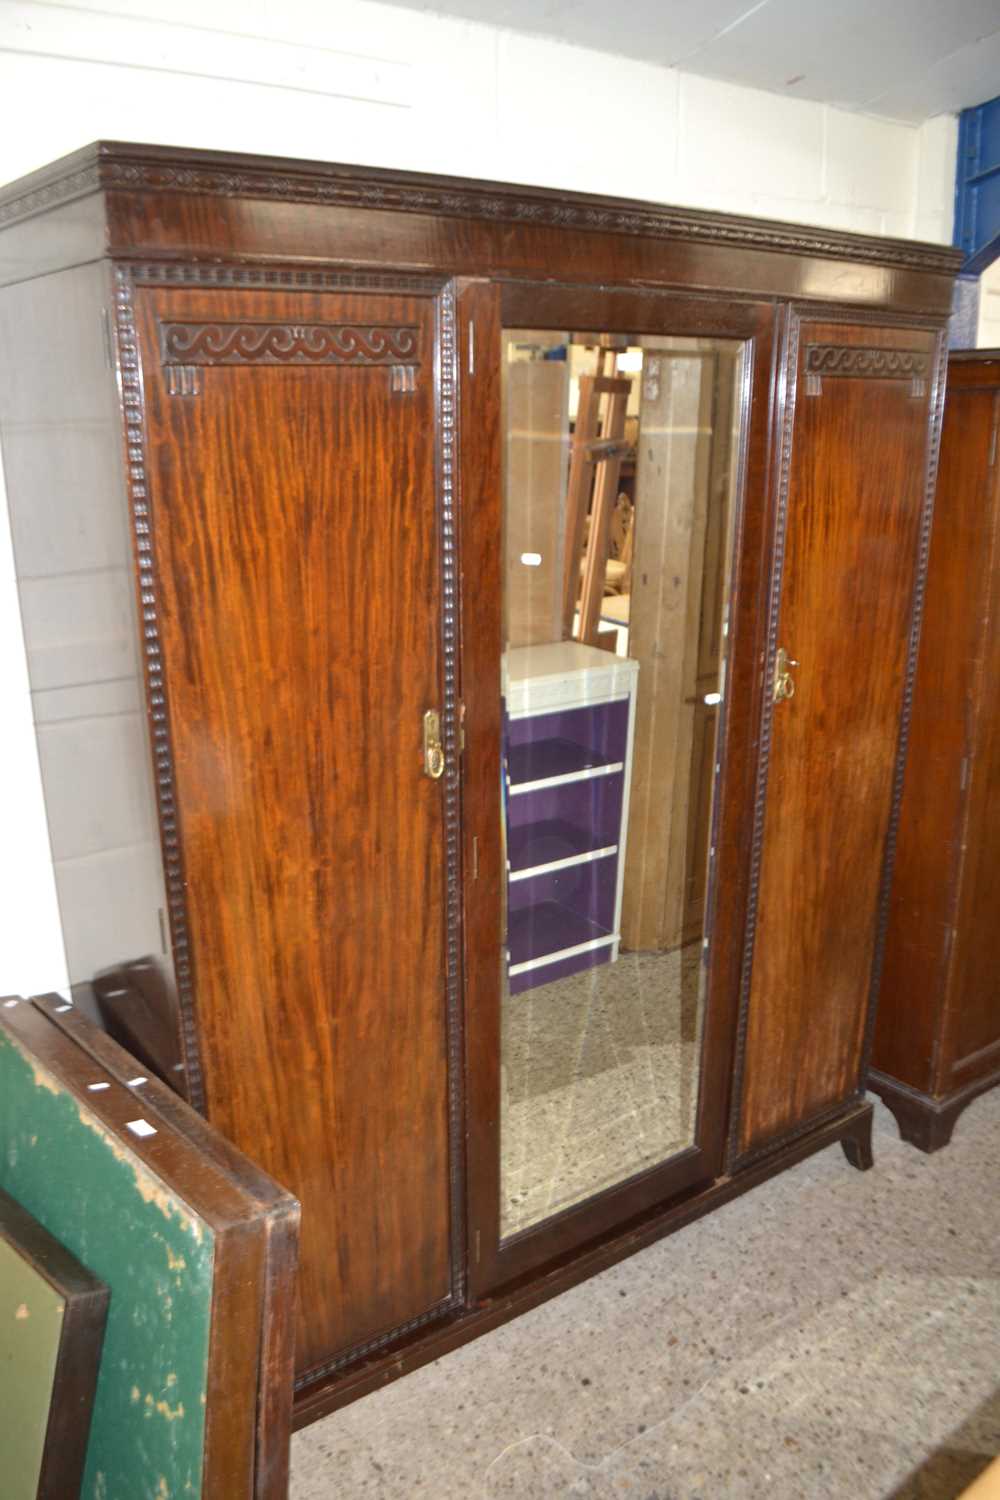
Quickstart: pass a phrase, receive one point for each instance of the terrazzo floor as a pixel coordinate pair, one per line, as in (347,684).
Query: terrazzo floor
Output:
(598,1080)
(829,1334)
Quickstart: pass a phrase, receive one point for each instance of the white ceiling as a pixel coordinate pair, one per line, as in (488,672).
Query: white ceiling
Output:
(905,59)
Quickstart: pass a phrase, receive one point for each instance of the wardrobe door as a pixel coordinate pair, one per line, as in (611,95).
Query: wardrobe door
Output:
(851,541)
(610,749)
(289,551)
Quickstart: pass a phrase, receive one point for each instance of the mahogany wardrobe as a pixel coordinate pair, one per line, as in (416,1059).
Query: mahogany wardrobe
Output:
(937,1040)
(471,633)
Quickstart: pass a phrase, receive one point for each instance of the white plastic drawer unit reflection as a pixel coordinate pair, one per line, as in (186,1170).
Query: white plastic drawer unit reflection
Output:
(567,771)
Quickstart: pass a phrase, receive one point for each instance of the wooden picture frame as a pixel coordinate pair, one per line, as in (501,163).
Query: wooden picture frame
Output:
(59,1309)
(199,1248)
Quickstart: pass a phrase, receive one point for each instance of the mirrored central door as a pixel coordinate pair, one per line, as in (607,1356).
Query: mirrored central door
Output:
(620,468)
(620,464)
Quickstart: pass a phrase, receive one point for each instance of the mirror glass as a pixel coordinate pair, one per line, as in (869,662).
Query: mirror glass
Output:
(620,482)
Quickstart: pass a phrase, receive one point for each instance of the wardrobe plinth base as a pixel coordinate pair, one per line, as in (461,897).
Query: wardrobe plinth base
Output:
(926,1122)
(369,1373)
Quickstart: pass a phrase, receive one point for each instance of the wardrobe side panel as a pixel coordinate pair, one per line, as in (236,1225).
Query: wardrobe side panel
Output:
(929,857)
(972,1040)
(972,1046)
(290,474)
(855,503)
(60,430)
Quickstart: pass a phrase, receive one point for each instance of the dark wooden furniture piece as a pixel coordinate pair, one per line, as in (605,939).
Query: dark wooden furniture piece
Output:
(197,1246)
(51,1333)
(300,366)
(937,1038)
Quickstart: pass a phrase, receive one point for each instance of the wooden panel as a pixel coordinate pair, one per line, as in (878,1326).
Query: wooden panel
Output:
(701,781)
(536,422)
(673,512)
(207,204)
(855,499)
(721,502)
(685,495)
(922,907)
(201,226)
(483,860)
(972,1039)
(293,516)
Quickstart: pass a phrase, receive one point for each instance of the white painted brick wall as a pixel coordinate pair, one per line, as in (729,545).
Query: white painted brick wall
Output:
(570,118)
(870,168)
(934,208)
(363,82)
(736,143)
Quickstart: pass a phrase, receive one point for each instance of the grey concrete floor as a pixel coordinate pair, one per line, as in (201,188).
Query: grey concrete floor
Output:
(830,1334)
(598,1080)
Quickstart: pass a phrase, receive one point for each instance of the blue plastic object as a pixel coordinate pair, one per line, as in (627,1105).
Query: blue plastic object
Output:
(977,186)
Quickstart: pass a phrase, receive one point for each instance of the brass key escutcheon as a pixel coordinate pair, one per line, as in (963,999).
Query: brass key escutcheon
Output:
(784,682)
(433,748)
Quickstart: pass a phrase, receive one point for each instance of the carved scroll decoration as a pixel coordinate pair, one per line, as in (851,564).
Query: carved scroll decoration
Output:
(191,344)
(871,364)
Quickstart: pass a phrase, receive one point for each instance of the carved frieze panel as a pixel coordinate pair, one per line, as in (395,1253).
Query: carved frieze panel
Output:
(871,364)
(247,343)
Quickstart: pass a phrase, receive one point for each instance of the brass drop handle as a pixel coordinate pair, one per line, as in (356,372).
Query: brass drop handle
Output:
(433,748)
(784,682)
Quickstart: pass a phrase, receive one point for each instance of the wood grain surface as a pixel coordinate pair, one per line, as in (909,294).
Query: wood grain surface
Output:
(926,881)
(937,1038)
(293,518)
(128,199)
(855,497)
(972,1040)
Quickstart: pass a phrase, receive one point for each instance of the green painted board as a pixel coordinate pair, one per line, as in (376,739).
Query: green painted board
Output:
(53,1312)
(106,1205)
(31,1323)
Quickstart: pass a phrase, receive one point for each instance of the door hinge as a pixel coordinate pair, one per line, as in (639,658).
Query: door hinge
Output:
(993,443)
(461,728)
(475,856)
(478,1245)
(472,348)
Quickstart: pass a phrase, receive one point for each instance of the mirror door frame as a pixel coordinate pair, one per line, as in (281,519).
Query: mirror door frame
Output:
(483,309)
